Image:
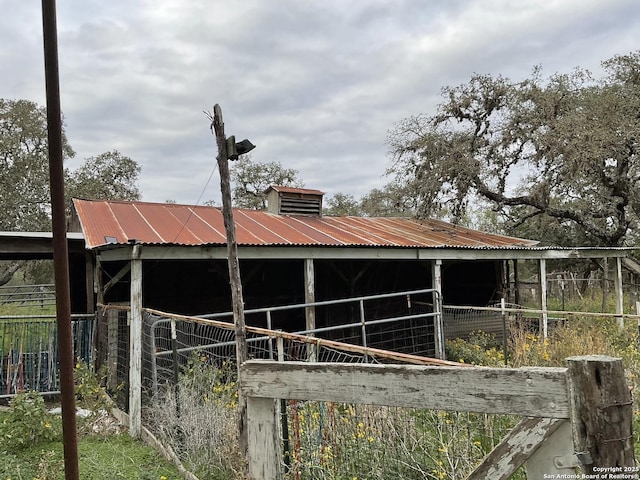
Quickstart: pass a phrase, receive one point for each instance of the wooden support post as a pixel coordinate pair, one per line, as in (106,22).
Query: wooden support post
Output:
(101,357)
(438,330)
(112,349)
(601,413)
(619,293)
(262,439)
(543,298)
(89,287)
(310,297)
(516,283)
(135,344)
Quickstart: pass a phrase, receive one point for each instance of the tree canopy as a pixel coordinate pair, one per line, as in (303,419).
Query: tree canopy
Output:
(25,203)
(24,166)
(109,175)
(557,157)
(389,201)
(250,180)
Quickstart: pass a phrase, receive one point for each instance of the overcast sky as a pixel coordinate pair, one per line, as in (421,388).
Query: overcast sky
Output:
(315,85)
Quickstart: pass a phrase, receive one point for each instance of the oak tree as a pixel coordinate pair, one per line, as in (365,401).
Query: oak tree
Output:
(25,203)
(250,180)
(557,156)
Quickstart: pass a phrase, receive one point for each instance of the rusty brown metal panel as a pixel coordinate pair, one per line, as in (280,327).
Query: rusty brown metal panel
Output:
(133,223)
(200,225)
(98,221)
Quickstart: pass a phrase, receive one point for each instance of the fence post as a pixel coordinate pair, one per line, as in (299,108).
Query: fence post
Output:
(601,413)
(310,297)
(112,349)
(438,327)
(262,438)
(135,344)
(619,294)
(542,265)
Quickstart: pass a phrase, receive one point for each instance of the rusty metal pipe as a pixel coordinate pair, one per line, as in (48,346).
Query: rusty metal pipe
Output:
(60,247)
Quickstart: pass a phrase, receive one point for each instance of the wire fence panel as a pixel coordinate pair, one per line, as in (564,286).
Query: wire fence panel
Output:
(42,295)
(318,440)
(29,351)
(462,322)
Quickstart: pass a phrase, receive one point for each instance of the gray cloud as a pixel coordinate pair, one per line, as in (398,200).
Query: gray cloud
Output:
(316,85)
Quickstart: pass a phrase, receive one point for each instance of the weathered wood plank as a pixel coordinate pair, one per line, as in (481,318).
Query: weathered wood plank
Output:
(112,349)
(261,439)
(135,345)
(602,411)
(535,392)
(514,449)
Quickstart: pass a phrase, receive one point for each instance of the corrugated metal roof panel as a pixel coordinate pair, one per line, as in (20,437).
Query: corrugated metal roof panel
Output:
(165,223)
(307,191)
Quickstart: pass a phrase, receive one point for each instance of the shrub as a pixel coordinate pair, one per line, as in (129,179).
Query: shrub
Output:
(28,423)
(481,349)
(201,425)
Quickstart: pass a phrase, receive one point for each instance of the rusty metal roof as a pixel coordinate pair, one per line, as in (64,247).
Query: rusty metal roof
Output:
(118,222)
(307,191)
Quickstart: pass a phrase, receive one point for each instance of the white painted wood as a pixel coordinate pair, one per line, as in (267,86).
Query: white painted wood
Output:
(543,297)
(262,441)
(539,392)
(310,297)
(619,293)
(174,252)
(135,344)
(436,284)
(551,457)
(517,446)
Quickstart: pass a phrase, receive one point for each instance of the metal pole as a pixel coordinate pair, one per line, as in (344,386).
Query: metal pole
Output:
(363,329)
(269,325)
(60,248)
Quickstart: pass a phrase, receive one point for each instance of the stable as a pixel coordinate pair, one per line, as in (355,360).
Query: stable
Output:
(292,254)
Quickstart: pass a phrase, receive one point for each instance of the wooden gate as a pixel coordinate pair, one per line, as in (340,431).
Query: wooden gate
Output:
(575,416)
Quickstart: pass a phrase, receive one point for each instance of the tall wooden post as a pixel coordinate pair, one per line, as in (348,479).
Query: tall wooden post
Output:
(438,327)
(601,413)
(135,345)
(619,294)
(605,283)
(310,297)
(234,268)
(543,298)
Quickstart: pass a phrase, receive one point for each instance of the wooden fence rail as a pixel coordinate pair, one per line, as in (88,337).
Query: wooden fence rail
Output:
(575,416)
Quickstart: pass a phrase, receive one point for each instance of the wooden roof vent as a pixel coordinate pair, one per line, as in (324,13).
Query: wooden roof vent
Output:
(294,201)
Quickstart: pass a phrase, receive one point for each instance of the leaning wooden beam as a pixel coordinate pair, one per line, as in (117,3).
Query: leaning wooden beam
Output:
(516,448)
(116,278)
(346,347)
(533,392)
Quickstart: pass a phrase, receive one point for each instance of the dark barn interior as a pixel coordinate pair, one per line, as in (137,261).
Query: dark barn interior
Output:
(197,287)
